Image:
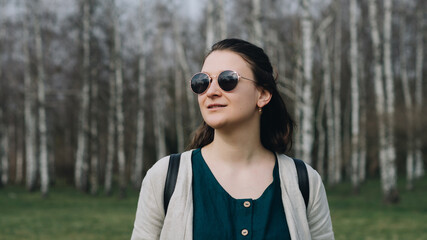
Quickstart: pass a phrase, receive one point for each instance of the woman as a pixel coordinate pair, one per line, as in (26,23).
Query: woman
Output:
(236,183)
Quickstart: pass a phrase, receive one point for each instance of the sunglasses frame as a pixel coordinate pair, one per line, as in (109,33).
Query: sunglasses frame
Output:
(216,76)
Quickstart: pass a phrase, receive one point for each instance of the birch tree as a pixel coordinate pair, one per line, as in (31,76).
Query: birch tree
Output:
(256,33)
(355,159)
(111,147)
(363,120)
(30,134)
(119,101)
(410,153)
(179,82)
(216,25)
(93,95)
(160,99)
(4,159)
(389,86)
(386,166)
(307,102)
(139,151)
(4,146)
(19,167)
(82,165)
(334,170)
(43,155)
(327,88)
(419,162)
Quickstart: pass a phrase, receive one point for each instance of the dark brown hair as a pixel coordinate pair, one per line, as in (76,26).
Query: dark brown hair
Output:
(276,123)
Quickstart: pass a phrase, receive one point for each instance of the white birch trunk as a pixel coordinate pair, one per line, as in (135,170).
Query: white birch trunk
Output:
(410,153)
(419,163)
(388,185)
(139,151)
(363,120)
(222,20)
(179,108)
(336,163)
(256,33)
(327,91)
(111,147)
(82,156)
(4,150)
(119,104)
(355,109)
(299,83)
(19,167)
(307,101)
(160,99)
(43,155)
(389,85)
(30,134)
(182,72)
(209,24)
(321,136)
(94,144)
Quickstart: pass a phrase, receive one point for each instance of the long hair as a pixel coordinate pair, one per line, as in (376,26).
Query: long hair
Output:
(276,123)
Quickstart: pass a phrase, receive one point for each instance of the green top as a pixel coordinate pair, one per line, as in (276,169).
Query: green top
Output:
(217,215)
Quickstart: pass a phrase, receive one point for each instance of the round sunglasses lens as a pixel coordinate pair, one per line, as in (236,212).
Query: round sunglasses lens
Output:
(227,80)
(200,82)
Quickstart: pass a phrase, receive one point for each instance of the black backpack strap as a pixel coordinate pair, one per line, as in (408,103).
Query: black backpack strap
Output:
(171,179)
(304,185)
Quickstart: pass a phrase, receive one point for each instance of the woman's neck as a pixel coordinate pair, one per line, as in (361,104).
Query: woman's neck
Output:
(238,146)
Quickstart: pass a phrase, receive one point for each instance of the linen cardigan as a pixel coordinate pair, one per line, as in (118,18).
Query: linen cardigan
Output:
(313,222)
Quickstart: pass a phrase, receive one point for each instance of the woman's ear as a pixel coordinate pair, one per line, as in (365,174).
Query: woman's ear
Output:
(264,97)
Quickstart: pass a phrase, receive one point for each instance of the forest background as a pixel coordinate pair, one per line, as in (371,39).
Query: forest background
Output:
(94,92)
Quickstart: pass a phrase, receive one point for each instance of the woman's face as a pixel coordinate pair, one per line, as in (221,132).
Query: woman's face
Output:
(226,109)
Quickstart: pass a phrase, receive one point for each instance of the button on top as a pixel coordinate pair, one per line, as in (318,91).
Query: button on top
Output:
(245,232)
(247,204)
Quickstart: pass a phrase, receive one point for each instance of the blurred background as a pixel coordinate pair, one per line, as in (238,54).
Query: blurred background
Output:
(93,93)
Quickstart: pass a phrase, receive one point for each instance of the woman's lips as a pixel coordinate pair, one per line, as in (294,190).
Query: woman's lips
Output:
(211,106)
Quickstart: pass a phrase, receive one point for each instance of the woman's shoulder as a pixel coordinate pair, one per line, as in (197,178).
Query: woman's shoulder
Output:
(159,169)
(290,168)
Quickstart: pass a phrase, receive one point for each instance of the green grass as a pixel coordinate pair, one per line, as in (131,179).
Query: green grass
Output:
(69,214)
(364,216)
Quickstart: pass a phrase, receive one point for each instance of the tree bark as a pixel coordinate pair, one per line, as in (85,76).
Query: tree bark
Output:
(82,156)
(256,33)
(321,136)
(30,134)
(355,109)
(307,101)
(4,150)
(389,86)
(210,33)
(410,153)
(93,113)
(335,170)
(388,183)
(119,104)
(111,147)
(222,20)
(43,155)
(139,151)
(419,162)
(327,90)
(160,99)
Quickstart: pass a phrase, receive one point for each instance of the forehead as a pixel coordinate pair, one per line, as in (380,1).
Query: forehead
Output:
(221,60)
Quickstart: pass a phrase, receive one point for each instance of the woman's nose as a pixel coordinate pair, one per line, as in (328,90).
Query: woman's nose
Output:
(213,89)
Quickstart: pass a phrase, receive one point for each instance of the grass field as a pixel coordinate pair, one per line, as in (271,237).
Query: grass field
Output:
(69,214)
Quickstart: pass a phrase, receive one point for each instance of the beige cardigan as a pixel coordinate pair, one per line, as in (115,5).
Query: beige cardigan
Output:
(313,222)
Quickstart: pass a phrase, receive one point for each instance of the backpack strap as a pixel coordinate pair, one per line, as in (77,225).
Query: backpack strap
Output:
(304,185)
(171,177)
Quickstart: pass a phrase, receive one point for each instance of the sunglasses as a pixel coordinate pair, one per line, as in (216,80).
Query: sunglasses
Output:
(227,81)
